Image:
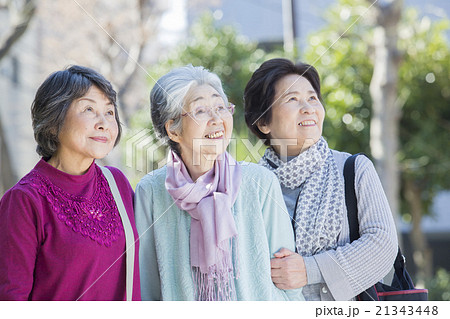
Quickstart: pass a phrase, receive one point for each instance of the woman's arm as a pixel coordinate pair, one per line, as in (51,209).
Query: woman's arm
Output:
(278,227)
(276,218)
(351,268)
(148,265)
(19,245)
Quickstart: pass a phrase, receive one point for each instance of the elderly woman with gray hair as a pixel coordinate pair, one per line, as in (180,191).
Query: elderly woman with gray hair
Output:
(65,226)
(208,225)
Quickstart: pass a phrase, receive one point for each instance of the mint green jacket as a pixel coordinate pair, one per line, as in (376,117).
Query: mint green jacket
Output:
(263,226)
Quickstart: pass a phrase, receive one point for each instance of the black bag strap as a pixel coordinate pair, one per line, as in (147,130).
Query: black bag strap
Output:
(350,196)
(401,280)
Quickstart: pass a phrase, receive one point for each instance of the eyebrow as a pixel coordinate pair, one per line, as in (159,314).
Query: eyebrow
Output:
(296,92)
(87,99)
(215,95)
(91,100)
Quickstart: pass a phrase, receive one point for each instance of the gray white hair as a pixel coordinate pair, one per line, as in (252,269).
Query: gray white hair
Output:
(168,97)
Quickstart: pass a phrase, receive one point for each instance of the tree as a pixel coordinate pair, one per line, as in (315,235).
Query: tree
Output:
(117,38)
(425,125)
(342,57)
(231,56)
(223,51)
(116,34)
(20,14)
(423,95)
(384,136)
(7,177)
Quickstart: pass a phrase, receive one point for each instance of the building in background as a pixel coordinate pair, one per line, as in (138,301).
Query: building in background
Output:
(119,39)
(262,20)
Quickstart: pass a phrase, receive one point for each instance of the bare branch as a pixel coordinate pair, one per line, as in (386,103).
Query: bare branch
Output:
(19,24)
(7,175)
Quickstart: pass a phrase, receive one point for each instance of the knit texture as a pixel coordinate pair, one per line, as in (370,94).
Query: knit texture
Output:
(96,217)
(346,271)
(263,228)
(319,206)
(59,239)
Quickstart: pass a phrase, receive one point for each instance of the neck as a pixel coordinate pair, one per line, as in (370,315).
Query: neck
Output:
(285,152)
(195,169)
(70,166)
(288,150)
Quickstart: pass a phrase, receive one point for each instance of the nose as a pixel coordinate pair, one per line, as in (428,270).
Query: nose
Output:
(307,108)
(101,122)
(215,117)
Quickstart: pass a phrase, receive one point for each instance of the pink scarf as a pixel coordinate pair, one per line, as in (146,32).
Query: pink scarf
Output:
(208,201)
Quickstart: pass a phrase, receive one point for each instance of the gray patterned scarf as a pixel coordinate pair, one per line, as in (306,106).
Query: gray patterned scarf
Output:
(320,206)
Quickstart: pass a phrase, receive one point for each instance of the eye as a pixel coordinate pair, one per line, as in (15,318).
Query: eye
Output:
(110,112)
(313,98)
(221,108)
(200,110)
(89,109)
(292,98)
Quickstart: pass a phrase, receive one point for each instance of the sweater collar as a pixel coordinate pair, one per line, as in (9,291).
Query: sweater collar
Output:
(65,180)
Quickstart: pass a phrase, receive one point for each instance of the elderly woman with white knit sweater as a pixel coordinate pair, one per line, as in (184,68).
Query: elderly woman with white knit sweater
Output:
(283,106)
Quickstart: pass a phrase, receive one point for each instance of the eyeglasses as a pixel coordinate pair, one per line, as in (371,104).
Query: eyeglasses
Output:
(204,113)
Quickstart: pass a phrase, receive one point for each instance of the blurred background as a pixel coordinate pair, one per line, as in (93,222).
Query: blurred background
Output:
(384,66)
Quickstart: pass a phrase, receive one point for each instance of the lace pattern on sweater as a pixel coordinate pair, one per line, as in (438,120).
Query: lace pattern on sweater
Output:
(96,217)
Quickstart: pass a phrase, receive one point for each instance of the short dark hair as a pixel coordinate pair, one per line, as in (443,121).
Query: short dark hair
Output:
(53,99)
(259,93)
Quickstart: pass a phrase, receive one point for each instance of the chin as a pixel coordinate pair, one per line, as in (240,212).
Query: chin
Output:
(215,146)
(100,155)
(212,152)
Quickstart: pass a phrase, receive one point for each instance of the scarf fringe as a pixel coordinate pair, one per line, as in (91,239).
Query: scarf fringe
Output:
(218,283)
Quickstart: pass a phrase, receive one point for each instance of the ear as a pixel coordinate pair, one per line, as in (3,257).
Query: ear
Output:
(265,129)
(54,131)
(173,135)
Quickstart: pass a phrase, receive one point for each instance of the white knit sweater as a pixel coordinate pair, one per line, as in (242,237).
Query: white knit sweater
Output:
(346,271)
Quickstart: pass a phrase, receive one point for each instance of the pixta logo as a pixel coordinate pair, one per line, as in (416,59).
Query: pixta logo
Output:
(145,151)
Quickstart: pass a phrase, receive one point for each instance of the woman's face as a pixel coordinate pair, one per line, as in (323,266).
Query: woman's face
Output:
(207,136)
(297,116)
(90,129)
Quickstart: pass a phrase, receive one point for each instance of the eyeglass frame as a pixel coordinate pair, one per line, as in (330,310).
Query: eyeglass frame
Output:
(231,107)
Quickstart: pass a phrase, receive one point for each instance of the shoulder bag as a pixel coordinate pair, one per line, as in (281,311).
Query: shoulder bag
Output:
(129,236)
(402,287)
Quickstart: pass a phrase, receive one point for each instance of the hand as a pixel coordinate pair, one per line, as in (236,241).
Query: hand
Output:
(288,270)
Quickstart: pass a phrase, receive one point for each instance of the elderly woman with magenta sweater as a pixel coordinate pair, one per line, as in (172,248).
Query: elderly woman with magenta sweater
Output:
(64,235)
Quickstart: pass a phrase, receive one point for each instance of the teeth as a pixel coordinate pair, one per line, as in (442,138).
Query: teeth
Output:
(215,135)
(305,123)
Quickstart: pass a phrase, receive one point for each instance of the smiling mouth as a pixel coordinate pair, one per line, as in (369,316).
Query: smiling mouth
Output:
(214,135)
(100,139)
(307,123)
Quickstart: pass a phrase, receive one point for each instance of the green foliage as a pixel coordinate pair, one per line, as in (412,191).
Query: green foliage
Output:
(342,54)
(425,87)
(223,51)
(439,286)
(232,57)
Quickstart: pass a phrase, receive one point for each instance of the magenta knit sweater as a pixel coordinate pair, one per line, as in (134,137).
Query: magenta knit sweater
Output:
(61,237)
